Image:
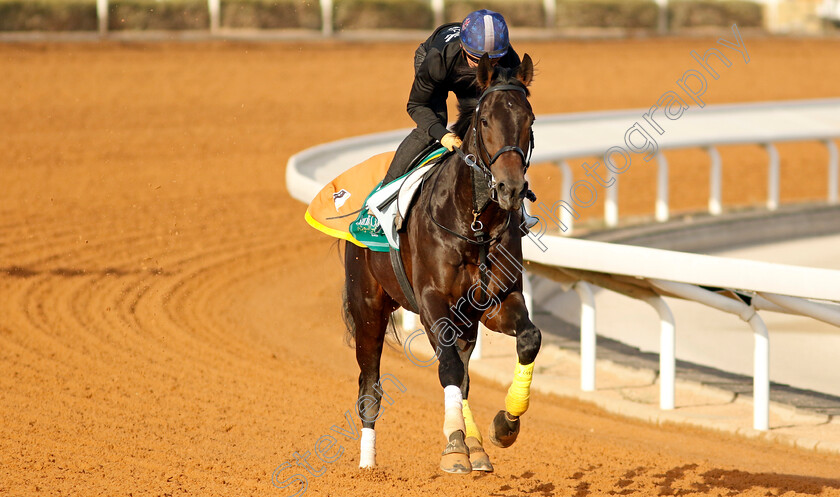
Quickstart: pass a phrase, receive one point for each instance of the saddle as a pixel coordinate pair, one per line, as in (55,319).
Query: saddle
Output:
(387,206)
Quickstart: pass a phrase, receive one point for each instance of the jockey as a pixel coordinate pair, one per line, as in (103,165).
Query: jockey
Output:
(440,64)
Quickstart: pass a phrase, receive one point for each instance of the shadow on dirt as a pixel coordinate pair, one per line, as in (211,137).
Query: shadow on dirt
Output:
(63,272)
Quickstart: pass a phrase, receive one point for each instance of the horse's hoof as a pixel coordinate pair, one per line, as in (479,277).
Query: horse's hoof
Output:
(504,430)
(456,455)
(479,459)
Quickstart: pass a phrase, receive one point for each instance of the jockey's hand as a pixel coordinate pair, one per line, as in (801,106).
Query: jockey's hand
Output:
(450,141)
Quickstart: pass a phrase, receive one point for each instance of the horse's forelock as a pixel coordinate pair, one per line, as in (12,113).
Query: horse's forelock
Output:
(507,76)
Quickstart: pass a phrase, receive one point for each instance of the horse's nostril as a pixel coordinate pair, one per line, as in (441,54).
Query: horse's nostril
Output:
(502,186)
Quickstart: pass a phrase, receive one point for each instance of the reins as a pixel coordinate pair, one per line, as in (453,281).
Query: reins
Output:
(476,225)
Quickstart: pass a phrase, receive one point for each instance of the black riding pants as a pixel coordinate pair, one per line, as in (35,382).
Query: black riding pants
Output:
(407,152)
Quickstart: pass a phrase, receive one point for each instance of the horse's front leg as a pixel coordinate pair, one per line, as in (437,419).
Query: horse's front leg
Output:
(443,335)
(479,459)
(512,318)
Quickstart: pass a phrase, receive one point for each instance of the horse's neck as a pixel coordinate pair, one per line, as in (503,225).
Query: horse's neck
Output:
(458,198)
(451,195)
(462,181)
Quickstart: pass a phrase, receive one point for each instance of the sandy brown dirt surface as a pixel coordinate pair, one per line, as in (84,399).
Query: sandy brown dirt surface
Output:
(169,324)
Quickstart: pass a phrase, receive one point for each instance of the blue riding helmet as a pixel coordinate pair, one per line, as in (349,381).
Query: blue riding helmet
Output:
(485,32)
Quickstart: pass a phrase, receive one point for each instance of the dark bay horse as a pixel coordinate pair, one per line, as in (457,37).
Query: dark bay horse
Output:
(462,253)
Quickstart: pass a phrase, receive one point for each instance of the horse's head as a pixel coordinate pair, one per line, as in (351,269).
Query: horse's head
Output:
(502,128)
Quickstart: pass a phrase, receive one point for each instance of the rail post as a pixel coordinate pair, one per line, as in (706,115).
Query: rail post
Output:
(550,8)
(662,17)
(565,195)
(587,336)
(611,202)
(772,177)
(833,174)
(437,11)
(715,174)
(761,373)
(667,352)
(662,213)
(326,17)
(214,7)
(102,16)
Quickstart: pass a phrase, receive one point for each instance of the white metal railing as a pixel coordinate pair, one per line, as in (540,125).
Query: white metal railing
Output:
(662,206)
(437,6)
(326,7)
(761,352)
(763,124)
(644,273)
(774,287)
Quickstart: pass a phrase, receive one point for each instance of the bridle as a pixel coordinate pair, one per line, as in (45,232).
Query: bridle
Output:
(481,167)
(482,239)
(478,144)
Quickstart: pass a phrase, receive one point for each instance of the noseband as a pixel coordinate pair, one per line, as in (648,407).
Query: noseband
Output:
(478,142)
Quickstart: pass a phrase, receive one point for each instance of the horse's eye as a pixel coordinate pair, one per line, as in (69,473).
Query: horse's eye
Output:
(484,121)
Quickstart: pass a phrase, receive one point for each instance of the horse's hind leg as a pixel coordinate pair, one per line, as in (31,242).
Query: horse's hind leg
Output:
(368,308)
(479,459)
(512,318)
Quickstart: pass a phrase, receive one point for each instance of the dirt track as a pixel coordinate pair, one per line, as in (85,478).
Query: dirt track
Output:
(169,324)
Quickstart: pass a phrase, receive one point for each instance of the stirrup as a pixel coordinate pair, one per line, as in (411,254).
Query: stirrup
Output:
(530,221)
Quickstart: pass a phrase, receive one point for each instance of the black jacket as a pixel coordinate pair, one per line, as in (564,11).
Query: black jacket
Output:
(440,65)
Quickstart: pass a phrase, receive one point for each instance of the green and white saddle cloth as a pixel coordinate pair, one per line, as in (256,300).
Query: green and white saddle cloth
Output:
(386,202)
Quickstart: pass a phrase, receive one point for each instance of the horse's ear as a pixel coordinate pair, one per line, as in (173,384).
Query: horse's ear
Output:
(484,72)
(526,70)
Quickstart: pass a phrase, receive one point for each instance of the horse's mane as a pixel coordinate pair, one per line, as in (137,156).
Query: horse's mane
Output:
(466,107)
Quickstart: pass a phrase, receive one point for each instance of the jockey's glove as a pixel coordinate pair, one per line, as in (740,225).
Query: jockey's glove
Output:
(450,141)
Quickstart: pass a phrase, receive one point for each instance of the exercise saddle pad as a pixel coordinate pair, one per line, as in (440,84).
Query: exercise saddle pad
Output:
(354,206)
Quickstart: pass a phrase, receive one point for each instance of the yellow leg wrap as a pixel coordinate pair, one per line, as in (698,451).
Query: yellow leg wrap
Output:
(519,393)
(472,428)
